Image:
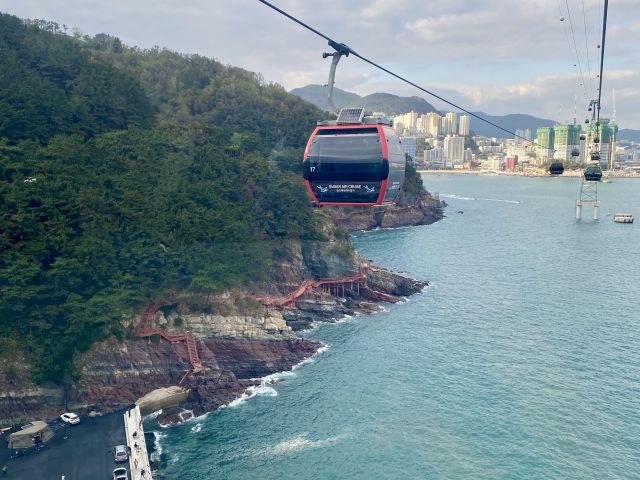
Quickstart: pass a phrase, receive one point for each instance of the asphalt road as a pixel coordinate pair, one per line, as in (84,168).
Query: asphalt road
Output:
(86,453)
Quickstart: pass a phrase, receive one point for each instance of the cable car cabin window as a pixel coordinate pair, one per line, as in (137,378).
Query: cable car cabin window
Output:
(397,164)
(349,154)
(395,147)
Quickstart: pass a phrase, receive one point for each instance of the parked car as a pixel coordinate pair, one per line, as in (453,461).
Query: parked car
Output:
(120,453)
(120,474)
(70,418)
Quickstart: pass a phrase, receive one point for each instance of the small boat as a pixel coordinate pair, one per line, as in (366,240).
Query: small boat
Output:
(623,218)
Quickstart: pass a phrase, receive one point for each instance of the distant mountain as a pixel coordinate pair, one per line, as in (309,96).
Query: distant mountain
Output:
(376,102)
(511,122)
(317,94)
(628,134)
(394,105)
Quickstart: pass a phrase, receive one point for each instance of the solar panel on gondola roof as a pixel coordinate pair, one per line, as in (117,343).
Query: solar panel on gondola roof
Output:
(351,115)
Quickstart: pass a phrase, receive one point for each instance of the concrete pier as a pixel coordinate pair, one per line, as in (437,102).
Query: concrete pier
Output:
(139,468)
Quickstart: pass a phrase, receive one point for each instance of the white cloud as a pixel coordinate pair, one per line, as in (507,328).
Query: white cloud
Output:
(552,95)
(498,55)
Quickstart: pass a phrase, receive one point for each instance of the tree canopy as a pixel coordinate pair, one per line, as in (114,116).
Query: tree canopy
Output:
(129,175)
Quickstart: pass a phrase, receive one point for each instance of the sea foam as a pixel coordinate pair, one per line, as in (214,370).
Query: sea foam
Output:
(462,197)
(301,442)
(157,446)
(265,388)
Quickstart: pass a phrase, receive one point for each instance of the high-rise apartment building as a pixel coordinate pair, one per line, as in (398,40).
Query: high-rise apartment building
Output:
(607,132)
(545,138)
(409,145)
(566,138)
(450,123)
(433,155)
(406,124)
(433,124)
(454,149)
(463,127)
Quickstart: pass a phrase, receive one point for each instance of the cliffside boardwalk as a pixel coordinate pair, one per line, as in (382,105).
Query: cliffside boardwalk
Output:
(139,467)
(331,285)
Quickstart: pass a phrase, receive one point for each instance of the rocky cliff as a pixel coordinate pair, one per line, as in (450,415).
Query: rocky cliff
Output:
(238,339)
(237,343)
(421,210)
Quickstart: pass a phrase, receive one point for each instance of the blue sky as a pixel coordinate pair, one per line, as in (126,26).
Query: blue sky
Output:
(498,56)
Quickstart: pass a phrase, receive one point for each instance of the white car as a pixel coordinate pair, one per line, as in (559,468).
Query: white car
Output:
(120,474)
(70,418)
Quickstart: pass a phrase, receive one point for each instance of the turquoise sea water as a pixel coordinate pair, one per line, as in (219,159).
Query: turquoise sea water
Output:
(521,360)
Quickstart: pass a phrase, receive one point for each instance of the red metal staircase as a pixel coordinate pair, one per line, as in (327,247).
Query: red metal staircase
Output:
(145,329)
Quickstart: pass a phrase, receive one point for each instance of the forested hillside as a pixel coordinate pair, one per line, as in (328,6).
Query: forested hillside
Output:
(129,175)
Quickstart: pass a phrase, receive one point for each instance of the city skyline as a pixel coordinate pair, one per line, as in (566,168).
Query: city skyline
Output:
(486,56)
(437,140)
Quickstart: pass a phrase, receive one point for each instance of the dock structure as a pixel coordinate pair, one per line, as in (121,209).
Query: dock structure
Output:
(139,468)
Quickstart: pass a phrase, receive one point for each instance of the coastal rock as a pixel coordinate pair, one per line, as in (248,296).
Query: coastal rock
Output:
(384,281)
(423,210)
(114,374)
(253,359)
(268,326)
(238,339)
(20,398)
(162,398)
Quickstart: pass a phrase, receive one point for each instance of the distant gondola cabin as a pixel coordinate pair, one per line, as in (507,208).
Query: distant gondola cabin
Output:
(556,168)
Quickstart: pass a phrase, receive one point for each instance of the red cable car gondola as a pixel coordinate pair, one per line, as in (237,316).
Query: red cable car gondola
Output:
(356,160)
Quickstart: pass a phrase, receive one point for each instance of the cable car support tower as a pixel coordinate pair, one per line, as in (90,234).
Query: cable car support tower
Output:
(592,168)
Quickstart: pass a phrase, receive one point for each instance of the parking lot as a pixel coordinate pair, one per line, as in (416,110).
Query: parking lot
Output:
(85,453)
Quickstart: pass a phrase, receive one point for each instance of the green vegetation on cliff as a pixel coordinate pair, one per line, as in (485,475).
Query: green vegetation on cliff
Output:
(131,175)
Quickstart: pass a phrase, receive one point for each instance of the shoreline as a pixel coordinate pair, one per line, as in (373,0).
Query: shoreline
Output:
(541,174)
(266,384)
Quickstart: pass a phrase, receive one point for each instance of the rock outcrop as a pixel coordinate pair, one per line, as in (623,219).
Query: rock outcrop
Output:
(162,398)
(115,374)
(238,339)
(270,325)
(423,210)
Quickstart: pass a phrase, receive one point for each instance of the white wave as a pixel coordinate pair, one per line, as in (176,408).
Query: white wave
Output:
(196,428)
(182,414)
(264,389)
(498,200)
(344,319)
(301,442)
(157,445)
(238,401)
(462,197)
(192,418)
(152,415)
(312,358)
